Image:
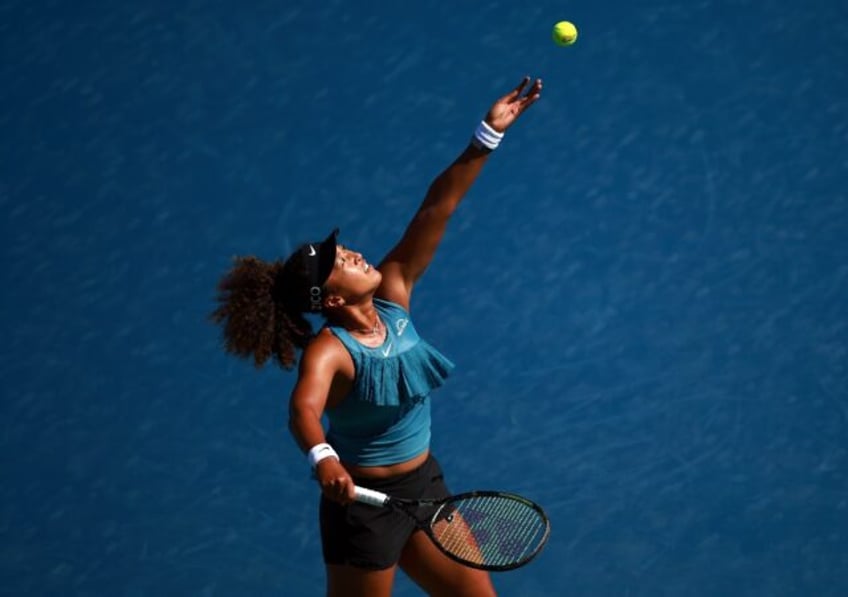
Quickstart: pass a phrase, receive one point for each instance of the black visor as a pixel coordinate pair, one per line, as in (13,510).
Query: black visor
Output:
(306,271)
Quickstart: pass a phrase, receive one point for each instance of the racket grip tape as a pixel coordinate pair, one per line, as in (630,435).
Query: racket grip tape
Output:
(371,497)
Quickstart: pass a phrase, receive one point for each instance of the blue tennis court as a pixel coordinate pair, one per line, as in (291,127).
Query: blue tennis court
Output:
(645,293)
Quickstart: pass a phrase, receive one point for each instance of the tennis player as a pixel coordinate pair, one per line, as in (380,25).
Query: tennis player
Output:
(370,373)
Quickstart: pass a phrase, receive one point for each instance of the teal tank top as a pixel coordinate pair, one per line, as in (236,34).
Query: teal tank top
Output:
(386,417)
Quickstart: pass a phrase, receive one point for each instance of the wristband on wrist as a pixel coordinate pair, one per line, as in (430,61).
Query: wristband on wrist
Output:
(485,137)
(319,452)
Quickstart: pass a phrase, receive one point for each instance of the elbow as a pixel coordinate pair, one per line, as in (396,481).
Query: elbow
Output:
(302,420)
(295,421)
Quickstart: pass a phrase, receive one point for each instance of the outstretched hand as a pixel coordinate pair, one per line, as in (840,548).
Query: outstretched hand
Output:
(508,108)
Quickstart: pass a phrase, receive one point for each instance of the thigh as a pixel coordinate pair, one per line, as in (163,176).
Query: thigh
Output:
(431,569)
(362,536)
(439,575)
(348,581)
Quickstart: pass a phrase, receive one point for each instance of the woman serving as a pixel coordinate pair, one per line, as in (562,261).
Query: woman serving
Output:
(370,373)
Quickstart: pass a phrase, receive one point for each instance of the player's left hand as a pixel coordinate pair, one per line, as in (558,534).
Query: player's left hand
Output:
(507,109)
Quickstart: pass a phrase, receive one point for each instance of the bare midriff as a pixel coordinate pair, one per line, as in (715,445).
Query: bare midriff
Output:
(390,470)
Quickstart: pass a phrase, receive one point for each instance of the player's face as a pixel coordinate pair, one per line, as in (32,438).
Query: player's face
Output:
(352,275)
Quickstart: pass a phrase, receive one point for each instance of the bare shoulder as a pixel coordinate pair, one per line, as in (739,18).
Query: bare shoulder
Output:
(326,370)
(325,354)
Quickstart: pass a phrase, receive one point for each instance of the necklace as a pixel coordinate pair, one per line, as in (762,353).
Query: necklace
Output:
(374,329)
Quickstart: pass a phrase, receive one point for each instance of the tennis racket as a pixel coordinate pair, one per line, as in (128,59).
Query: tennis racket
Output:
(489,530)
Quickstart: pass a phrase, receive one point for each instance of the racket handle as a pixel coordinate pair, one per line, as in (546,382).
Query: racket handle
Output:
(371,497)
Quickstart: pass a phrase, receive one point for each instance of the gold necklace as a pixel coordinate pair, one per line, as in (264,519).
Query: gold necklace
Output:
(373,331)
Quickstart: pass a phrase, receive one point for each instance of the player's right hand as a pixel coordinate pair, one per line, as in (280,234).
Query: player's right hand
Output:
(336,483)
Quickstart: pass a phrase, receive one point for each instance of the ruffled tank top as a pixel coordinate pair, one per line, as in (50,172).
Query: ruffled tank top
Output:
(386,417)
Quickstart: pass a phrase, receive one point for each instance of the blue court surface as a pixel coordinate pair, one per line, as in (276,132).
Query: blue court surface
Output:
(645,293)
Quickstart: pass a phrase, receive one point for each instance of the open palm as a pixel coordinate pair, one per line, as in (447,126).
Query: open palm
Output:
(507,109)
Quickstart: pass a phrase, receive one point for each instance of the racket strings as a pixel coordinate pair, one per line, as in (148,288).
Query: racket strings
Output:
(490,530)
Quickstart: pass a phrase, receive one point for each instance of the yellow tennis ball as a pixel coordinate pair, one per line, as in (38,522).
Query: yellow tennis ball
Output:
(565,33)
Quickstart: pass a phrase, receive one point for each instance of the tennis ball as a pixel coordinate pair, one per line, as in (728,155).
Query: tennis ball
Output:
(564,33)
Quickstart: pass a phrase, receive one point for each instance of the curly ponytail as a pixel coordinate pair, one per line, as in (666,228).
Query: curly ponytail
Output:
(255,324)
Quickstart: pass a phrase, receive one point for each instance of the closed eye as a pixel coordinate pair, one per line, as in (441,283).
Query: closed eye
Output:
(340,252)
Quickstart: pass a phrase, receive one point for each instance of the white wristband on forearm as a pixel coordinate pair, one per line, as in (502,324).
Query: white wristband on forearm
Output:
(486,136)
(319,452)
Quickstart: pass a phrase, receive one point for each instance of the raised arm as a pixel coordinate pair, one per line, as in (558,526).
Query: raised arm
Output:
(408,260)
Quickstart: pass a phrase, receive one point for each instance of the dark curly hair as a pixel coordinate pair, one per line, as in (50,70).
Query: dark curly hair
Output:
(255,324)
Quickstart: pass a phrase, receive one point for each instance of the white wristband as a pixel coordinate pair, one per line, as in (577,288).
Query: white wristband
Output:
(319,452)
(486,136)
